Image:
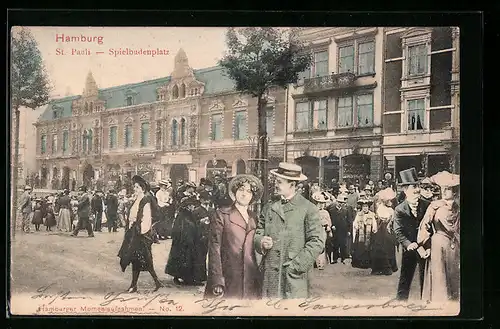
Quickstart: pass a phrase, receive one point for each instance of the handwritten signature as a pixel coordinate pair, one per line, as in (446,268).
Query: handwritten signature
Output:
(42,293)
(315,304)
(212,305)
(147,298)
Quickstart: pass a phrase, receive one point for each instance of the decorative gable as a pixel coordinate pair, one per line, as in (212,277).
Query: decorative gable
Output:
(144,117)
(216,105)
(112,122)
(129,120)
(240,103)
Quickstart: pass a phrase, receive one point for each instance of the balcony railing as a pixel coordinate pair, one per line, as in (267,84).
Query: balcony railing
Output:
(329,82)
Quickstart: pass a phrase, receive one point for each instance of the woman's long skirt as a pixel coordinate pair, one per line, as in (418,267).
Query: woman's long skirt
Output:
(136,250)
(64,221)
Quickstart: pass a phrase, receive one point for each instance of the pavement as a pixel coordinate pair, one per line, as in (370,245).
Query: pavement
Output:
(91,265)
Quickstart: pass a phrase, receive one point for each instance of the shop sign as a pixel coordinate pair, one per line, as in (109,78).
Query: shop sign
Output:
(145,155)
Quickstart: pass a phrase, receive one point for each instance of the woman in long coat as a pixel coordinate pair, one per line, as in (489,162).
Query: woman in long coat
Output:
(183,261)
(440,228)
(364,227)
(384,242)
(136,246)
(233,270)
(64,222)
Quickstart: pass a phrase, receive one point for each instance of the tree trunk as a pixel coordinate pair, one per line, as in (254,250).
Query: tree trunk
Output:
(14,167)
(262,148)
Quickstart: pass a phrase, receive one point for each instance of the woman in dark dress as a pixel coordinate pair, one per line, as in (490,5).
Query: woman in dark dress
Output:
(183,262)
(232,265)
(37,215)
(50,218)
(138,240)
(384,242)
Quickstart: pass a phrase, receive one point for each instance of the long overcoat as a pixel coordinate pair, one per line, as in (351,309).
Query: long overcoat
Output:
(232,262)
(298,239)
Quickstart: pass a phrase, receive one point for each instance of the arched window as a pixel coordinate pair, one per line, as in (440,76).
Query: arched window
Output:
(183,131)
(84,141)
(90,136)
(86,107)
(196,91)
(183,91)
(175,92)
(174,132)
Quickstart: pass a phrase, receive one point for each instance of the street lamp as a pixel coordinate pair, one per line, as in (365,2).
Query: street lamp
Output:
(259,162)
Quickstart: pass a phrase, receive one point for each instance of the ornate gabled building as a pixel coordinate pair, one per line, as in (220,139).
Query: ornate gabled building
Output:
(188,125)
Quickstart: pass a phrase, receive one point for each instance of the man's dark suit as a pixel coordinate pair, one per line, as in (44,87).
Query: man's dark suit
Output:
(406,229)
(83,215)
(342,220)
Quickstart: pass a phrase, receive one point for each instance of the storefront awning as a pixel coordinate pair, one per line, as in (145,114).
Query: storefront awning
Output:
(324,153)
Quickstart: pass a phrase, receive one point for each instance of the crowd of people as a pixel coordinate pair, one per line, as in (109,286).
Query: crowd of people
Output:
(220,242)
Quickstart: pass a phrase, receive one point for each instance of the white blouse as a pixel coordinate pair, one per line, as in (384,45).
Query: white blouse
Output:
(146,216)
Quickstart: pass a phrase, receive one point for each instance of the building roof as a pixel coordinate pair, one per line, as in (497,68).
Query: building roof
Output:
(215,79)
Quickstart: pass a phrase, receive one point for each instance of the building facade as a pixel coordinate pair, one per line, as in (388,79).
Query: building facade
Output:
(334,126)
(421,101)
(189,125)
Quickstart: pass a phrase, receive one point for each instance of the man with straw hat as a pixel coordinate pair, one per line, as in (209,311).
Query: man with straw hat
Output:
(26,208)
(407,217)
(165,202)
(290,237)
(341,227)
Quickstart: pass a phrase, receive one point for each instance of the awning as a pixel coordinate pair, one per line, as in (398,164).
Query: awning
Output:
(324,153)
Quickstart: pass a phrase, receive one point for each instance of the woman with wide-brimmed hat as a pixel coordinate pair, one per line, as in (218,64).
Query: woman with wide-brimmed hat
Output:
(439,235)
(321,199)
(384,243)
(364,226)
(37,214)
(137,244)
(182,263)
(232,263)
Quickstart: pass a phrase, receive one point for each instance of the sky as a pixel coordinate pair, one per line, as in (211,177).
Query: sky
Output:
(67,71)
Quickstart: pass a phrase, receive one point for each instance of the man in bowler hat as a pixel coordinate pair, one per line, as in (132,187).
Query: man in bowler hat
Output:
(407,217)
(83,213)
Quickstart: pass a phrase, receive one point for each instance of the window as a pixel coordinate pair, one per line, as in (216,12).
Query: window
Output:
(345,112)
(65,144)
(54,144)
(175,132)
(129,100)
(144,134)
(311,115)
(302,116)
(346,59)
(216,127)
(43,144)
(417,60)
(54,114)
(183,131)
(113,134)
(175,92)
(321,63)
(128,136)
(366,62)
(89,140)
(182,91)
(270,121)
(416,114)
(319,114)
(84,141)
(364,106)
(240,125)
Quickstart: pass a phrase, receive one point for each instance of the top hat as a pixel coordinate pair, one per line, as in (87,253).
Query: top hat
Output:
(255,185)
(164,182)
(320,197)
(289,171)
(446,179)
(408,177)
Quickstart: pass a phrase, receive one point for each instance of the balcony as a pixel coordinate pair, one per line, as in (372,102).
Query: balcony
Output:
(329,83)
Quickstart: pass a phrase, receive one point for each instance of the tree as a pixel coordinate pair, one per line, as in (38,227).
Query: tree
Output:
(29,87)
(258,59)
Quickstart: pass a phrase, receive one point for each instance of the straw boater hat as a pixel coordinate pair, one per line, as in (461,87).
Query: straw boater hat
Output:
(320,197)
(363,201)
(27,188)
(446,179)
(289,171)
(164,182)
(255,185)
(387,194)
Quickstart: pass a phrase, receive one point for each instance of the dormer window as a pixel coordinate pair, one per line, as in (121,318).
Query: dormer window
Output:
(182,91)
(129,100)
